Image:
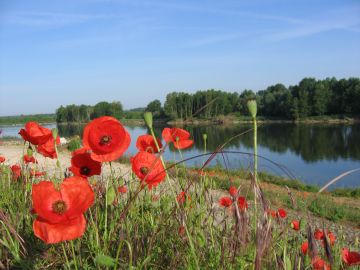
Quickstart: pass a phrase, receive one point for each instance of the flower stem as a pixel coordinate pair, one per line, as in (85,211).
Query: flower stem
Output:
(66,258)
(73,253)
(176,202)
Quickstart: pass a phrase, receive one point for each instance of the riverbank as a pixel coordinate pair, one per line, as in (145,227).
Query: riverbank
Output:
(333,206)
(220,120)
(231,119)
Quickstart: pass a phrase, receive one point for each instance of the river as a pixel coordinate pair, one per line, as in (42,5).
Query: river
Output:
(313,153)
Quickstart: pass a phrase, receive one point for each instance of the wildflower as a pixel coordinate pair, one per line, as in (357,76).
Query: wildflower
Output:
(122,189)
(282,213)
(107,139)
(225,201)
(332,237)
(318,234)
(233,191)
(295,224)
(29,159)
(183,197)
(16,171)
(181,230)
(242,203)
(60,209)
(272,213)
(2,159)
(35,134)
(149,168)
(178,136)
(47,149)
(304,247)
(350,258)
(37,173)
(319,264)
(147,143)
(83,165)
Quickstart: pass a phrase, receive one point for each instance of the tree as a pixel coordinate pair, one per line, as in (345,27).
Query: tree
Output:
(110,109)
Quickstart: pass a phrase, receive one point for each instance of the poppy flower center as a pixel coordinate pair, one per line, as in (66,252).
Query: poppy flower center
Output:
(105,140)
(85,170)
(150,149)
(144,170)
(59,207)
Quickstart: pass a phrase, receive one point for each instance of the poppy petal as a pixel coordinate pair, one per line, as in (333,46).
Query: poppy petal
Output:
(54,233)
(44,195)
(183,144)
(78,196)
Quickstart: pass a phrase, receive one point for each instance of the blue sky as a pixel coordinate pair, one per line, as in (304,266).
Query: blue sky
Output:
(56,52)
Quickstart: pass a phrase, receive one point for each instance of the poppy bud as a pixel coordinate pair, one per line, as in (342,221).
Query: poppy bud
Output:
(204,137)
(252,107)
(29,152)
(148,117)
(54,133)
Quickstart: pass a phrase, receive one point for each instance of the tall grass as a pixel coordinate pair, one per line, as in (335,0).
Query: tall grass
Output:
(151,229)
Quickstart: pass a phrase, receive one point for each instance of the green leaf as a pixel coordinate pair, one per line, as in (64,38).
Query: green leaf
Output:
(110,195)
(105,260)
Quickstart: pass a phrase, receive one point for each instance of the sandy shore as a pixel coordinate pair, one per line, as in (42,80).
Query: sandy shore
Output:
(13,153)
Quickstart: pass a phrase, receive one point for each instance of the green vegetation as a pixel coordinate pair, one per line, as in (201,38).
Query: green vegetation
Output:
(309,98)
(22,119)
(85,113)
(74,144)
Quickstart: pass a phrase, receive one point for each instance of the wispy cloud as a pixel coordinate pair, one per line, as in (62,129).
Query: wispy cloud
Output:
(213,39)
(49,19)
(346,19)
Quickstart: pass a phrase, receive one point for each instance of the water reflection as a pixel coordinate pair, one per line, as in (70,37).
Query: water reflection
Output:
(315,153)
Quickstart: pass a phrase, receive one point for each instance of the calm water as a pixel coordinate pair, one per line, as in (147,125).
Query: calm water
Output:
(312,153)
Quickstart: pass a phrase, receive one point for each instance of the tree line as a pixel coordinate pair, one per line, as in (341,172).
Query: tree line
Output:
(310,97)
(85,113)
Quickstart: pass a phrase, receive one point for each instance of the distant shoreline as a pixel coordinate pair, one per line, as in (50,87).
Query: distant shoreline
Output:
(205,122)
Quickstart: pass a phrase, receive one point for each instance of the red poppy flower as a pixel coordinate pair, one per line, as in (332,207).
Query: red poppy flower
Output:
(295,224)
(181,230)
(107,139)
(272,213)
(27,159)
(2,159)
(225,201)
(122,189)
(332,237)
(304,247)
(147,143)
(83,165)
(242,203)
(60,210)
(282,213)
(350,258)
(178,136)
(318,234)
(149,168)
(233,191)
(16,171)
(35,134)
(183,197)
(37,173)
(319,264)
(47,149)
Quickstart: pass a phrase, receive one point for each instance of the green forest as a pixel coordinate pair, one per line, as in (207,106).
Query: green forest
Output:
(309,98)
